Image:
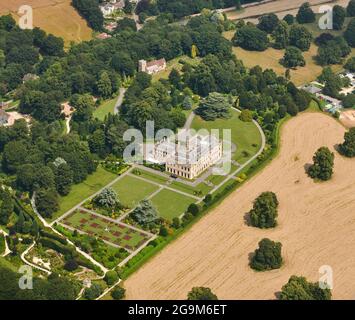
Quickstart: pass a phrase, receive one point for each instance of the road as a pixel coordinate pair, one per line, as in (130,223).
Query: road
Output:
(119,100)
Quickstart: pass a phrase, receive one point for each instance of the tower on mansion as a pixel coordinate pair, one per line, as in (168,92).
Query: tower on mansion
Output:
(189,156)
(152,67)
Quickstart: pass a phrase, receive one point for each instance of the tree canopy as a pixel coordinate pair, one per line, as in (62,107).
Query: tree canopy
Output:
(264,212)
(322,168)
(267,256)
(201,293)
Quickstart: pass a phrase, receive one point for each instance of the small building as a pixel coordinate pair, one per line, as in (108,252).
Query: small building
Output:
(107,9)
(4,118)
(152,67)
(312,89)
(103,36)
(187,157)
(29,76)
(111,26)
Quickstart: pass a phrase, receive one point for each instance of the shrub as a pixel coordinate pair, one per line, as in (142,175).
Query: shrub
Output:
(267,256)
(93,292)
(201,293)
(111,277)
(193,209)
(246,115)
(176,223)
(118,293)
(71,265)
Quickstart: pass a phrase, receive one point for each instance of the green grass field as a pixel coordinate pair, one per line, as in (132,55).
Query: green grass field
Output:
(244,134)
(105,229)
(104,109)
(131,190)
(153,177)
(81,191)
(174,64)
(171,204)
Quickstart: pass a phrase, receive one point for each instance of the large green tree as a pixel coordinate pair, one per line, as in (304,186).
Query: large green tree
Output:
(349,34)
(300,37)
(298,288)
(305,14)
(347,148)
(264,212)
(250,37)
(293,58)
(267,256)
(213,107)
(322,168)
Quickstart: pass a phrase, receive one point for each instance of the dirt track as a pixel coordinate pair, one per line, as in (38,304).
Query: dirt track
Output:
(316,227)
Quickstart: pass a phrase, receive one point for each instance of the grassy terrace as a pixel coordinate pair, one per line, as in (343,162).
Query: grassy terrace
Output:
(245,135)
(131,190)
(104,109)
(171,204)
(83,190)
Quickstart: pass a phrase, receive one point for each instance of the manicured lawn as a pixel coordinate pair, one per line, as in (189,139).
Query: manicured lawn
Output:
(131,190)
(83,190)
(105,229)
(105,108)
(2,244)
(244,134)
(171,204)
(191,190)
(174,64)
(153,177)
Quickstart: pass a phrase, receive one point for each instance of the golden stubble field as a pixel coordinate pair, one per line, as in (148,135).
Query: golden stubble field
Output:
(54,16)
(316,228)
(280,8)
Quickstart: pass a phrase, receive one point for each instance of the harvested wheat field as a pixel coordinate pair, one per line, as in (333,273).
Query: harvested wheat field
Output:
(316,227)
(54,16)
(280,8)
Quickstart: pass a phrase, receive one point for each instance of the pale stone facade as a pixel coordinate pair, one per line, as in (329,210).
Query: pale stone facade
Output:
(187,158)
(152,67)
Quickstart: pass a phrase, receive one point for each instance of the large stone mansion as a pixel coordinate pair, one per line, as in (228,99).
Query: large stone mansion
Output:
(187,157)
(152,67)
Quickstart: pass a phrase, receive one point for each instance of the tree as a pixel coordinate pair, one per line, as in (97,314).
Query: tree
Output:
(193,209)
(63,179)
(215,106)
(144,213)
(305,14)
(47,202)
(93,292)
(281,35)
(118,293)
(350,64)
(90,10)
(264,212)
(201,293)
(107,198)
(347,148)
(71,265)
(128,8)
(123,63)
(289,19)
(111,277)
(300,37)
(293,58)
(322,168)
(6,206)
(349,101)
(187,103)
(246,115)
(268,22)
(267,256)
(350,9)
(97,143)
(175,77)
(251,38)
(194,51)
(84,107)
(104,86)
(339,15)
(126,24)
(333,51)
(7,22)
(298,288)
(349,34)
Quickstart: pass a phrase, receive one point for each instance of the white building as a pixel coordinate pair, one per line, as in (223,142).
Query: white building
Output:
(152,66)
(187,157)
